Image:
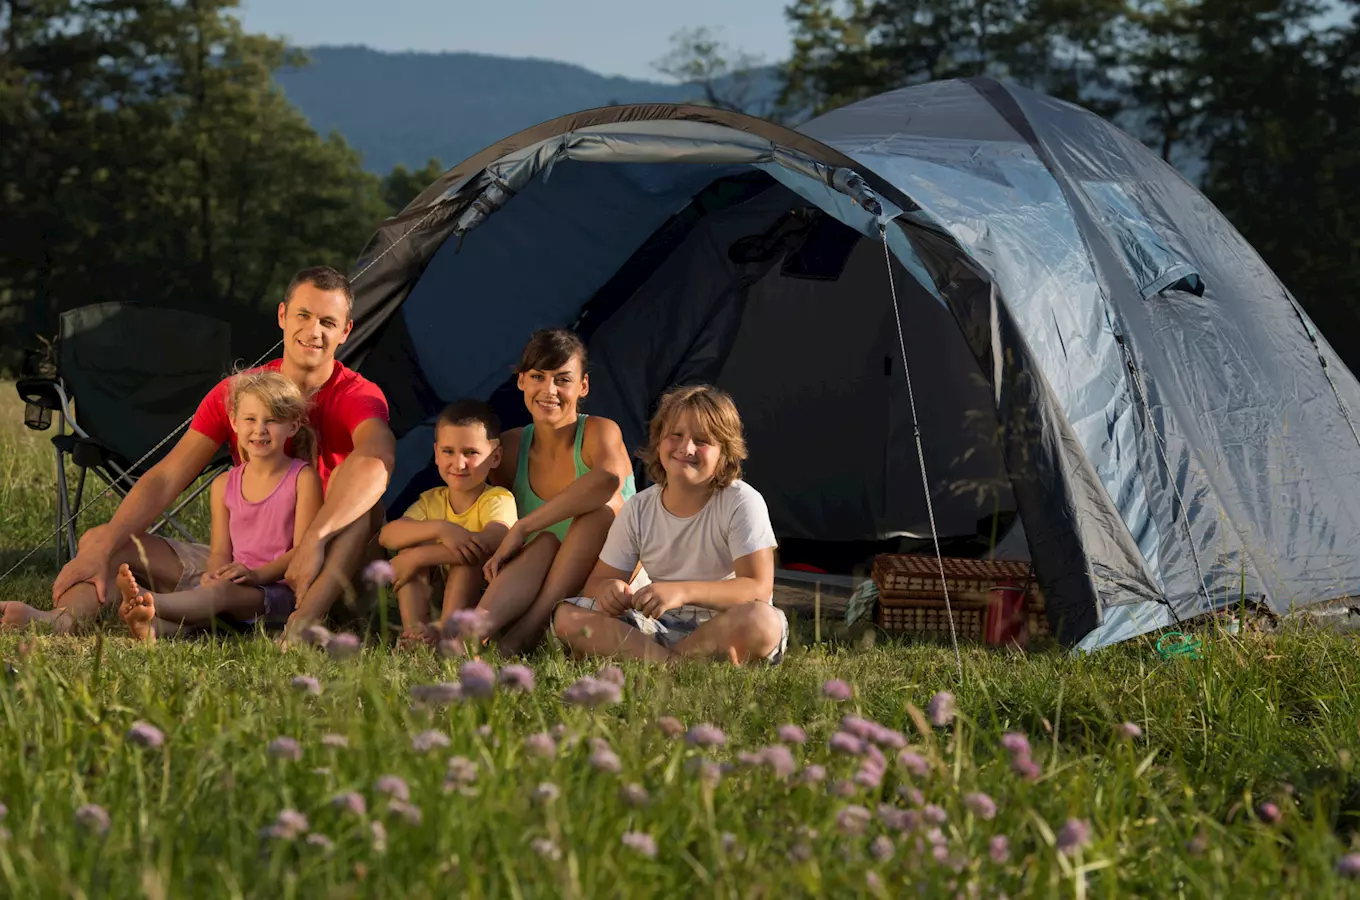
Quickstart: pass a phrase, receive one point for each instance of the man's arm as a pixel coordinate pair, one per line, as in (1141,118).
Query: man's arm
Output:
(219,540)
(358,483)
(149,497)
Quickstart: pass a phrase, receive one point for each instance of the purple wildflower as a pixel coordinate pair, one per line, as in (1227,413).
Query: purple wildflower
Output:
(641,842)
(334,741)
(980,805)
(911,794)
(999,848)
(393,786)
(541,744)
(316,635)
(837,690)
(779,759)
(350,802)
(709,772)
(611,674)
(477,679)
(285,748)
(842,742)
(934,814)
(321,841)
(792,734)
(914,763)
(288,824)
(379,573)
(1268,813)
(442,692)
(429,740)
(843,788)
(1075,834)
(940,709)
(881,848)
(343,646)
(546,792)
(93,817)
(592,692)
(545,848)
(1015,743)
(873,882)
(411,814)
(1026,768)
(378,832)
(1130,730)
(469,625)
(306,684)
(603,758)
(898,819)
(146,735)
(728,840)
(461,770)
(633,795)
(1348,866)
(518,678)
(705,735)
(853,819)
(670,726)
(813,774)
(859,726)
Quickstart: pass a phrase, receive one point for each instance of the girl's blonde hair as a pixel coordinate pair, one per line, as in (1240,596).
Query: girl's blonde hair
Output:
(714,413)
(283,401)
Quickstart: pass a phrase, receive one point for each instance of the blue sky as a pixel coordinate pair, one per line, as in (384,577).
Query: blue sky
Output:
(613,37)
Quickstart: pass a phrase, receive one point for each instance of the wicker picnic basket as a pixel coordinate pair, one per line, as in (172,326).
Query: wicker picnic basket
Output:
(911,594)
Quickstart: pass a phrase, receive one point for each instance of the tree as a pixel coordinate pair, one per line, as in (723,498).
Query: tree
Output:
(402,185)
(727,77)
(149,157)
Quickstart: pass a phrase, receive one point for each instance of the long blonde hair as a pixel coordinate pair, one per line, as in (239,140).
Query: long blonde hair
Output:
(283,401)
(715,413)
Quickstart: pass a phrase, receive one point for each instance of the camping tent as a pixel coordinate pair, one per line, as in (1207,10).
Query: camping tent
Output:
(1092,346)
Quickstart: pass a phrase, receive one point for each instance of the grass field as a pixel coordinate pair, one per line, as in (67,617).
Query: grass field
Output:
(1240,779)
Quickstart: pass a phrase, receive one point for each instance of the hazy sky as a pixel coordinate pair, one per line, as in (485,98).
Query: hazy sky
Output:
(613,37)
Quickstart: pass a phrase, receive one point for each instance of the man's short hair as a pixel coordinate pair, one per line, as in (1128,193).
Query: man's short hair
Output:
(323,278)
(468,412)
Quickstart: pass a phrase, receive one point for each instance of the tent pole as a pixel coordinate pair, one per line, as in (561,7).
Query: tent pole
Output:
(920,453)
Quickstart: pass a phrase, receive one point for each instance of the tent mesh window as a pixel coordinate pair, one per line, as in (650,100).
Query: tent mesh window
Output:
(911,594)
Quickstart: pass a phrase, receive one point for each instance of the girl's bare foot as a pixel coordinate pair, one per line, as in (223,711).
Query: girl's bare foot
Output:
(138,608)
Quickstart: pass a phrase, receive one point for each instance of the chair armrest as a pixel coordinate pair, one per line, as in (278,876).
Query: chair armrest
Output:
(43,392)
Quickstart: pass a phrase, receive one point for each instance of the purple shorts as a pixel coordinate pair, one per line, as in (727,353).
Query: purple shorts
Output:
(279,603)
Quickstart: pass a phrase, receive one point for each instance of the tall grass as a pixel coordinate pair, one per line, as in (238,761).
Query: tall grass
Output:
(1242,782)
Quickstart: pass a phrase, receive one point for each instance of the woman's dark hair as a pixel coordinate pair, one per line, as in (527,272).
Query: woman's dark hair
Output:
(551,348)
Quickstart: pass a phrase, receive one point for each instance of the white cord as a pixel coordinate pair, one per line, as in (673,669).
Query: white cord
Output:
(920,455)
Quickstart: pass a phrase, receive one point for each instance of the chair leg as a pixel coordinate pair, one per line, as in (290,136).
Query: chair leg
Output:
(64,527)
(169,518)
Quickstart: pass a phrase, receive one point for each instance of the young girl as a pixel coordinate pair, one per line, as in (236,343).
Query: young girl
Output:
(570,473)
(704,539)
(260,508)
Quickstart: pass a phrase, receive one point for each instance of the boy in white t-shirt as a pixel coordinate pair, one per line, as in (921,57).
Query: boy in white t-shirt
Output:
(703,538)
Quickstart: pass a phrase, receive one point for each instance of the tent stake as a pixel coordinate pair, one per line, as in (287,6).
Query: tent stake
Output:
(817,612)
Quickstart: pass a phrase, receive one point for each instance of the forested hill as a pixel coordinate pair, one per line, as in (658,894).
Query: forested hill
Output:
(407,107)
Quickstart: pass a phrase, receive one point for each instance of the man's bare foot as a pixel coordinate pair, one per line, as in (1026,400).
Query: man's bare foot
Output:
(138,608)
(15,616)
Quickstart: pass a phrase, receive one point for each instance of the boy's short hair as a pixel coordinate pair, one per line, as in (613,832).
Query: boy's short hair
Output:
(715,413)
(468,412)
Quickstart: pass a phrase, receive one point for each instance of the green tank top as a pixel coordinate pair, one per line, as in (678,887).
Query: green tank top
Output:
(527,501)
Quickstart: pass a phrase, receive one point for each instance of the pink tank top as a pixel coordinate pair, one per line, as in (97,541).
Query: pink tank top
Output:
(262,531)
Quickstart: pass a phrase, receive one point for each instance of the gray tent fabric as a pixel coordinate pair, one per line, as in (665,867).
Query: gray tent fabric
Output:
(1093,347)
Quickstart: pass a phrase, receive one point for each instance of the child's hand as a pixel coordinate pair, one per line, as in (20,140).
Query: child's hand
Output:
(614,597)
(462,544)
(238,574)
(655,599)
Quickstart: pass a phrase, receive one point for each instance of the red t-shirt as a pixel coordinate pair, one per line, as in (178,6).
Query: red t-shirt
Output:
(343,402)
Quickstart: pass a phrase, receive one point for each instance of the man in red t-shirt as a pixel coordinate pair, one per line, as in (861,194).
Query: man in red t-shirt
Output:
(356,452)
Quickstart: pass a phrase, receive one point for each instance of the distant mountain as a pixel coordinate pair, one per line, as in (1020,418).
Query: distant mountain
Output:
(407,107)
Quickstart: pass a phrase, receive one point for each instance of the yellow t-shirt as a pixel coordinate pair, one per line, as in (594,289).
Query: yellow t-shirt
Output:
(496,504)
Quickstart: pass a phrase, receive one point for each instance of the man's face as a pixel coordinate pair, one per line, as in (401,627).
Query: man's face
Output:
(314,323)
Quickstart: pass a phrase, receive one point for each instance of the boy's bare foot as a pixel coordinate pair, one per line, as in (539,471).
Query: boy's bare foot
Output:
(138,607)
(417,636)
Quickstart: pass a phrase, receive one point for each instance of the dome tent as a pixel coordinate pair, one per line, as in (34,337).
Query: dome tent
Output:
(1090,340)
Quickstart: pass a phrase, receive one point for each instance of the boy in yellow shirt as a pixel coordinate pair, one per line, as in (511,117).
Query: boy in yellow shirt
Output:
(455,528)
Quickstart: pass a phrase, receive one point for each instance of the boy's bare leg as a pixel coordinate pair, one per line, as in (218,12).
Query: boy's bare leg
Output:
(413,599)
(589,632)
(740,634)
(462,588)
(571,566)
(346,554)
(161,568)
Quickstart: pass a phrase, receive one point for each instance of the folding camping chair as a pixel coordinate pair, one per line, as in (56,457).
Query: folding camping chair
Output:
(126,376)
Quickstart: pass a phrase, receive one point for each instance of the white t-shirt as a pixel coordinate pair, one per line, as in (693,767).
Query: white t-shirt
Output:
(733,523)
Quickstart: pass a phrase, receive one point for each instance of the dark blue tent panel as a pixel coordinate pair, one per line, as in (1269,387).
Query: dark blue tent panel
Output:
(1094,349)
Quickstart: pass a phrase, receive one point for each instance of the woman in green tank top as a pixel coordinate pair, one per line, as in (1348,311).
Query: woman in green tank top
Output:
(570,474)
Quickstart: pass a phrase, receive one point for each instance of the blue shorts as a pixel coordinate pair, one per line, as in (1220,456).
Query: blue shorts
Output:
(279,604)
